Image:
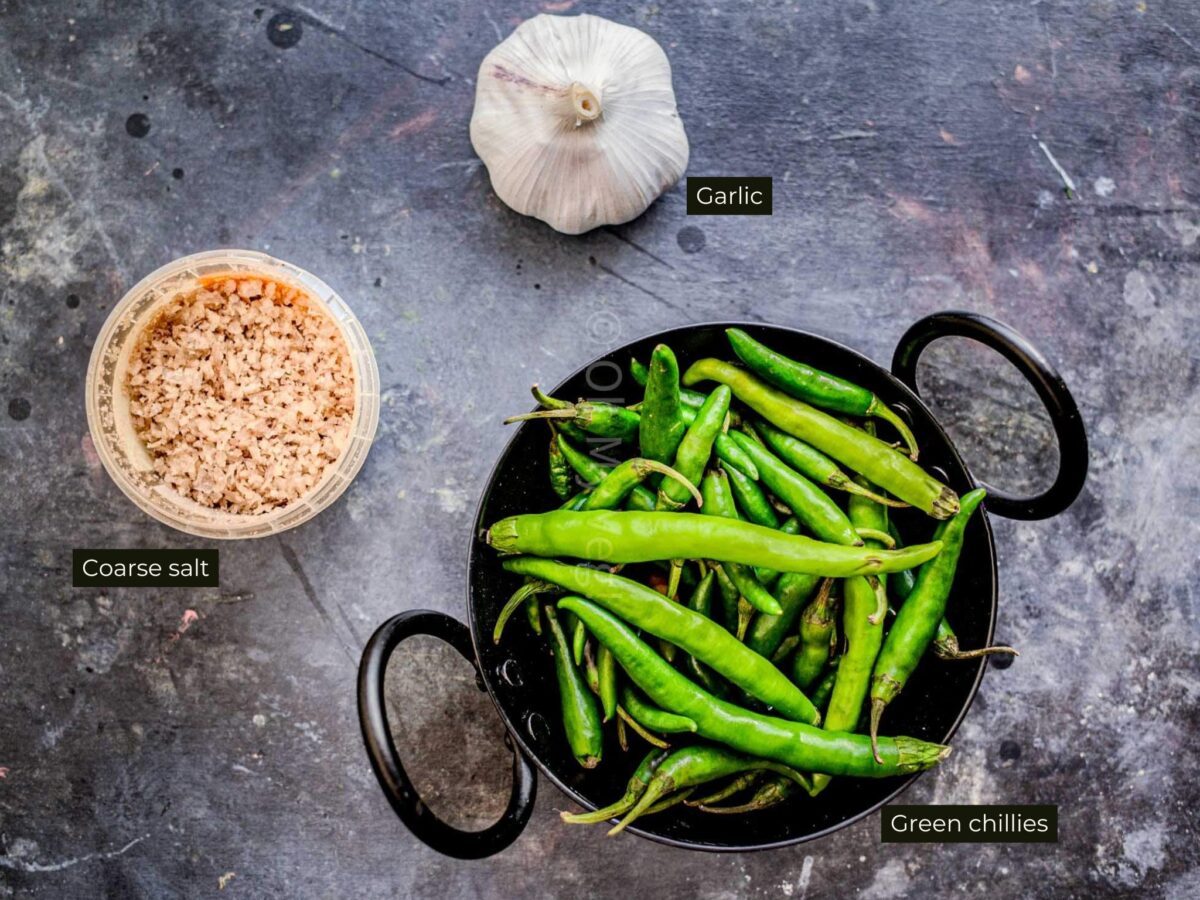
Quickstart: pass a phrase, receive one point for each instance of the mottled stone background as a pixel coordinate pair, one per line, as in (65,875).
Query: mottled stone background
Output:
(168,743)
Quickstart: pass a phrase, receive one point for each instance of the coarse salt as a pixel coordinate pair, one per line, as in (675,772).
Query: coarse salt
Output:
(243,392)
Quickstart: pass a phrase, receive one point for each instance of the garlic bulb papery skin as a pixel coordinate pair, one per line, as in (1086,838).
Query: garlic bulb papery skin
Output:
(575,120)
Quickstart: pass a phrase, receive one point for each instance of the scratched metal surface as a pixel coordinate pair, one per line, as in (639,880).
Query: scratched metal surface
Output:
(173,743)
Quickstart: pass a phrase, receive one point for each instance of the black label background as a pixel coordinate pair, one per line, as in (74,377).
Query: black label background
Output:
(964,813)
(163,557)
(695,208)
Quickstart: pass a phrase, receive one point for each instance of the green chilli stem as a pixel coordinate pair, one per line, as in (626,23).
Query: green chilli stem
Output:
(876,535)
(654,790)
(653,465)
(736,786)
(745,614)
(881,604)
(546,400)
(603,814)
(877,708)
(948,649)
(664,783)
(850,487)
(652,739)
(785,648)
(881,410)
(562,412)
(519,596)
(674,800)
(637,784)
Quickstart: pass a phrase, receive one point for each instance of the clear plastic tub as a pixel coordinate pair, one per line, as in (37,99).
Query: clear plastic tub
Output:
(128,461)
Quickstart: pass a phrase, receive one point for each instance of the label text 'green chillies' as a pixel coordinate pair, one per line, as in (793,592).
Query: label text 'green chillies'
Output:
(629,537)
(882,464)
(704,639)
(802,746)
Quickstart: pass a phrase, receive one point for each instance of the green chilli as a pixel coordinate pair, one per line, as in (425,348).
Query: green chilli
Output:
(530,589)
(811,505)
(622,479)
(862,628)
(814,386)
(581,717)
(693,633)
(594,417)
(812,463)
(892,471)
(635,536)
(690,399)
(560,469)
(696,765)
(818,626)
(751,498)
(651,716)
(606,668)
(719,502)
(694,450)
(594,473)
(774,792)
(917,621)
(661,426)
(637,784)
(733,786)
(824,689)
(804,747)
(945,642)
(701,602)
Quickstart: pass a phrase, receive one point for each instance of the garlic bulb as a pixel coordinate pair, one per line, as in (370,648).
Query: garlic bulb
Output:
(575,120)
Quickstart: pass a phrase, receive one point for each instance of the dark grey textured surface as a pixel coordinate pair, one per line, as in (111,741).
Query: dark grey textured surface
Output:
(138,758)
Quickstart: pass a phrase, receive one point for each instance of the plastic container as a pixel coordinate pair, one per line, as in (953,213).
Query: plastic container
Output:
(127,460)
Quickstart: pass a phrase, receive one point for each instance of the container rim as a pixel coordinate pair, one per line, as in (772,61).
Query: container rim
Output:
(338,475)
